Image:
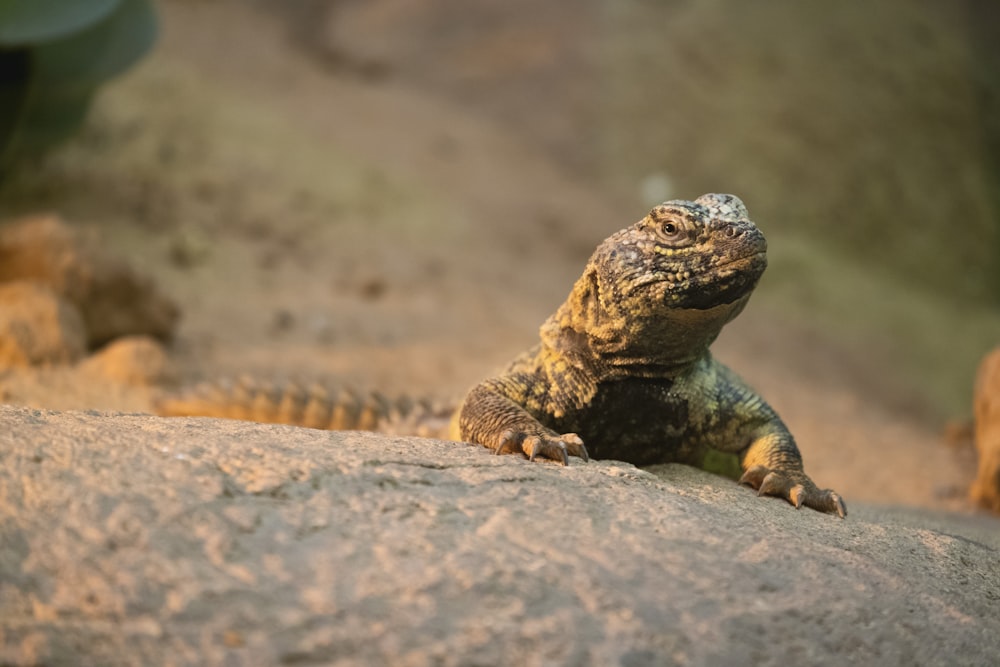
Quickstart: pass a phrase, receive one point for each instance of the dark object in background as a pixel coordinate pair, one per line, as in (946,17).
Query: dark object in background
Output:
(53,57)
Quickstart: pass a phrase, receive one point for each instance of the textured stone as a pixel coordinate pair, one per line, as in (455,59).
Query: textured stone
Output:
(37,327)
(137,540)
(114,299)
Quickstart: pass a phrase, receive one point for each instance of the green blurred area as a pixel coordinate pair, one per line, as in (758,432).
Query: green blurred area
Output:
(865,139)
(54,55)
(872,128)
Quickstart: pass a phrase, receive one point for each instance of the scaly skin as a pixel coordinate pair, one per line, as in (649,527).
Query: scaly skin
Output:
(623,369)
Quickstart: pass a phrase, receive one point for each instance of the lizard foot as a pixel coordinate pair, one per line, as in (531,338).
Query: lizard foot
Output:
(558,448)
(796,488)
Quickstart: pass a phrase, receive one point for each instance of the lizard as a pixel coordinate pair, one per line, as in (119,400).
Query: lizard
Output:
(622,370)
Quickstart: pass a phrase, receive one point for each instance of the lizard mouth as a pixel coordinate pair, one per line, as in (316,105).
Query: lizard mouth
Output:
(726,282)
(712,286)
(748,267)
(749,260)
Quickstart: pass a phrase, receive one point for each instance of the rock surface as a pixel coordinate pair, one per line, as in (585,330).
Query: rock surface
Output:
(129,539)
(985,490)
(114,299)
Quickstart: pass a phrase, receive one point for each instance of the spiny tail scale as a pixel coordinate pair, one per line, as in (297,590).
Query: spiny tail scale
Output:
(309,405)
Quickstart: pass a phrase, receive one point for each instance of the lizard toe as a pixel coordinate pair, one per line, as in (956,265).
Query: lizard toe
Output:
(822,500)
(555,447)
(574,445)
(754,476)
(831,501)
(795,487)
(536,446)
(510,443)
(777,484)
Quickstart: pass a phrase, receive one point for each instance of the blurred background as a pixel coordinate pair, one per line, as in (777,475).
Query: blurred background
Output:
(397,193)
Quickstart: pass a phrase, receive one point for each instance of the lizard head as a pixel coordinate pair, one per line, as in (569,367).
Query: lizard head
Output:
(685,255)
(662,289)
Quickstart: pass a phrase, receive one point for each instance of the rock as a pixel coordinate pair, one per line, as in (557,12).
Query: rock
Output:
(131,360)
(985,490)
(37,327)
(138,540)
(114,299)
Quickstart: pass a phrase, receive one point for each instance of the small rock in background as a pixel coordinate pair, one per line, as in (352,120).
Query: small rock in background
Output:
(373,288)
(282,320)
(37,327)
(985,490)
(189,247)
(131,360)
(113,299)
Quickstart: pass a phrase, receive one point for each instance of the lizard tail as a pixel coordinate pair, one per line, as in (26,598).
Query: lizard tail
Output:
(311,406)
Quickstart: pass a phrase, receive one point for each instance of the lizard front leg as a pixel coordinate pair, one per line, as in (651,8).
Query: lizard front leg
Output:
(491,417)
(769,457)
(773,466)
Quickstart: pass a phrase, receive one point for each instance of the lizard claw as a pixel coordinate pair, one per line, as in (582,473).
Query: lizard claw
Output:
(795,487)
(558,448)
(535,446)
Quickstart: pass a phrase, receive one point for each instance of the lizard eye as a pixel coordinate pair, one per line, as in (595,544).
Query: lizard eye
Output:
(672,230)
